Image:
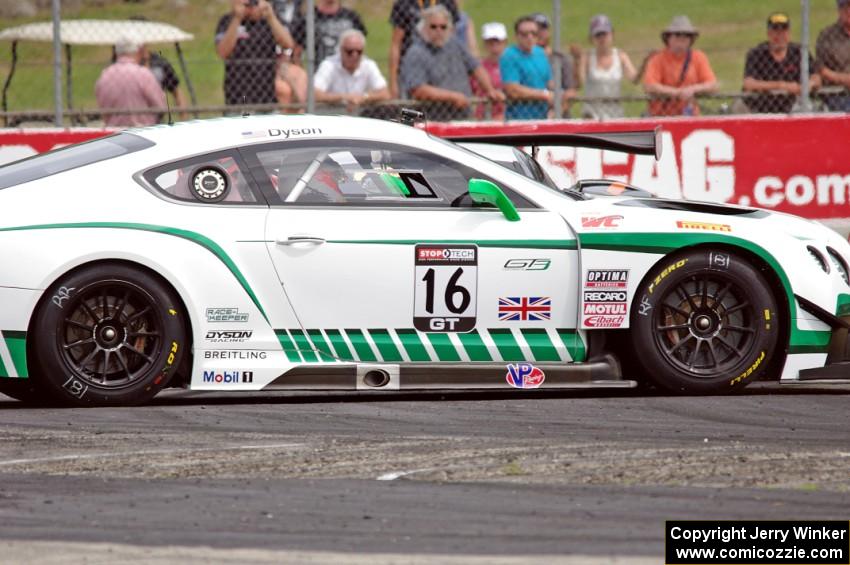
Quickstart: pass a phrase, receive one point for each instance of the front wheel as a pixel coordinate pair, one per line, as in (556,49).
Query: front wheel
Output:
(704,322)
(110,335)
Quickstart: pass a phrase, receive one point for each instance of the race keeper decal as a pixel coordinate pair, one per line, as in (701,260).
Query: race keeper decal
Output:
(445,288)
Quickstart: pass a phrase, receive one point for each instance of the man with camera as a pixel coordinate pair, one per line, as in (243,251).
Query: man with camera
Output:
(246,39)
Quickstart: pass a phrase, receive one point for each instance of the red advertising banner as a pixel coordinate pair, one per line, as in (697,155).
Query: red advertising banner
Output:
(795,164)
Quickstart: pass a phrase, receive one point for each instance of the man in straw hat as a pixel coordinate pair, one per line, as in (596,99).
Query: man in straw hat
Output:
(678,73)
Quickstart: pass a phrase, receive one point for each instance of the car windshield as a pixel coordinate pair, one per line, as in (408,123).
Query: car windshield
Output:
(70,157)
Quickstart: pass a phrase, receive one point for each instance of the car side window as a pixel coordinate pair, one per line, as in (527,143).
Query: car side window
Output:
(362,173)
(216,178)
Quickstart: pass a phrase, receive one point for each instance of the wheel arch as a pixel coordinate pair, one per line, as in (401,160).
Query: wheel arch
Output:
(186,362)
(774,280)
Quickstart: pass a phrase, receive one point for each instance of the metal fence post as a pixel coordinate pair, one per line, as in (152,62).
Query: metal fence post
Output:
(557,66)
(311,56)
(805,99)
(57,65)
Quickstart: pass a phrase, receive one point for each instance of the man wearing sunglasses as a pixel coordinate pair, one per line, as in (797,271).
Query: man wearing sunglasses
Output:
(350,77)
(436,69)
(526,74)
(773,69)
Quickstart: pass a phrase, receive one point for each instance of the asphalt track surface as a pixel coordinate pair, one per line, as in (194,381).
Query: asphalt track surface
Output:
(573,477)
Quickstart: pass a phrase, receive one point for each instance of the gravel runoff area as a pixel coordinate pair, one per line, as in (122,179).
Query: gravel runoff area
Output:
(456,478)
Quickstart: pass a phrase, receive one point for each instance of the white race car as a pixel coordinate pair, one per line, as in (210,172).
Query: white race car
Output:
(307,252)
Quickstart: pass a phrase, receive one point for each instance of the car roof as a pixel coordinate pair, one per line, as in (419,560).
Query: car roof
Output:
(197,136)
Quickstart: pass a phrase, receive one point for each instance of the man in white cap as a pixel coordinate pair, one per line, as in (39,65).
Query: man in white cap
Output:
(678,73)
(495,36)
(127,85)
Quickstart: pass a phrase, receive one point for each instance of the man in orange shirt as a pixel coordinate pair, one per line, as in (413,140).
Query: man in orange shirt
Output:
(678,73)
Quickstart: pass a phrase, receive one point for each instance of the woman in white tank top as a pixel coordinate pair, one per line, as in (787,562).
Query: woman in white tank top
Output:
(602,69)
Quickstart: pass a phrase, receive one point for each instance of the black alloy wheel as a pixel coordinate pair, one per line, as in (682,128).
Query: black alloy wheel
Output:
(108,335)
(704,322)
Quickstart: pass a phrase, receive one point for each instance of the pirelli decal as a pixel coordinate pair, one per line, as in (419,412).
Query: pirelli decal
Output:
(408,345)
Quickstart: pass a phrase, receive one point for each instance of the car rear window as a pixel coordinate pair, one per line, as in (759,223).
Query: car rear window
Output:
(71,157)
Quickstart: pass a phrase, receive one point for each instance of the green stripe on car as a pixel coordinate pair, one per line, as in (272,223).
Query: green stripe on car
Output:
(506,344)
(540,344)
(389,352)
(413,345)
(338,343)
(320,345)
(474,346)
(303,345)
(443,347)
(16,343)
(288,346)
(361,345)
(194,237)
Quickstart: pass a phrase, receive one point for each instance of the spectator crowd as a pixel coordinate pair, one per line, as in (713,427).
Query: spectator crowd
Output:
(434,60)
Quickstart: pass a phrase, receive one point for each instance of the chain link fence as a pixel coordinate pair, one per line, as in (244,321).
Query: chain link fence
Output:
(493,60)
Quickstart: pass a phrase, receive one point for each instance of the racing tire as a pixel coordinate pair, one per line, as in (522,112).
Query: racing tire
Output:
(704,322)
(107,335)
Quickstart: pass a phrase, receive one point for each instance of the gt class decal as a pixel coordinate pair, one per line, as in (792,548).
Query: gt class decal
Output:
(524,375)
(445,287)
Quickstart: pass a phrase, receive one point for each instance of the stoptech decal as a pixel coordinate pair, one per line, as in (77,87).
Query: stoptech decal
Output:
(607,278)
(686,225)
(665,272)
(605,296)
(228,336)
(604,321)
(228,377)
(601,221)
(445,287)
(226,315)
(524,375)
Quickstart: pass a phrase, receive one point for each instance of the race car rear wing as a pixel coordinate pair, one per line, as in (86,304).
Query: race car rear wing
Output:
(646,142)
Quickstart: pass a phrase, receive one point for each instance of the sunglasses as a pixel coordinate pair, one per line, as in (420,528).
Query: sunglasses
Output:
(351,52)
(440,26)
(527,32)
(677,34)
(600,34)
(778,26)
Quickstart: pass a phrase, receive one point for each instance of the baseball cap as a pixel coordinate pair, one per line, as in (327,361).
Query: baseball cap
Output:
(842,3)
(600,23)
(779,19)
(543,20)
(494,30)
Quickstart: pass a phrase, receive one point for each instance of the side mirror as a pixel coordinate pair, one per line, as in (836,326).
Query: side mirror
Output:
(485,192)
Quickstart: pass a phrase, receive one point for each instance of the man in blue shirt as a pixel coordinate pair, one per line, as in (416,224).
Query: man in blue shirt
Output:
(526,75)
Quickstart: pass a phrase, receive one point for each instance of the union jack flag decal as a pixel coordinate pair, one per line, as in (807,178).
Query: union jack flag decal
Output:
(525,308)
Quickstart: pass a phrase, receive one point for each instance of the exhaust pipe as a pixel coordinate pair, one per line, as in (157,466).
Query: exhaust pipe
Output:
(376,378)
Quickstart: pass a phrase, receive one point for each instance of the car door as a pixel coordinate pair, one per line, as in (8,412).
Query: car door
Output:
(385,258)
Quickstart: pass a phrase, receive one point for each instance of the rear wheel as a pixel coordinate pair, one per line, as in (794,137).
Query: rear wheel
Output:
(704,322)
(111,335)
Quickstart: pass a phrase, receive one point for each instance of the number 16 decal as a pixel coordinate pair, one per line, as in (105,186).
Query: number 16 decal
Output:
(445,288)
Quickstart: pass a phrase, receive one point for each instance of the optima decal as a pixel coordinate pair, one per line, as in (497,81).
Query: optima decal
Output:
(686,225)
(607,278)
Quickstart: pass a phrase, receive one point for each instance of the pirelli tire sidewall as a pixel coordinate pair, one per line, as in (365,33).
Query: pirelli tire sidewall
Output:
(647,315)
(56,377)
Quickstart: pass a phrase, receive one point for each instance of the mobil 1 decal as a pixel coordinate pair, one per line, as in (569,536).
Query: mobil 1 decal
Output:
(444,298)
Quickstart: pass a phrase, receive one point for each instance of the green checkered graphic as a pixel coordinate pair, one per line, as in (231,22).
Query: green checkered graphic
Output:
(379,345)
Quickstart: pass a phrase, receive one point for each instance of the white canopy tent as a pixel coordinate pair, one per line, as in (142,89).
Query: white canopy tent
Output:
(96,32)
